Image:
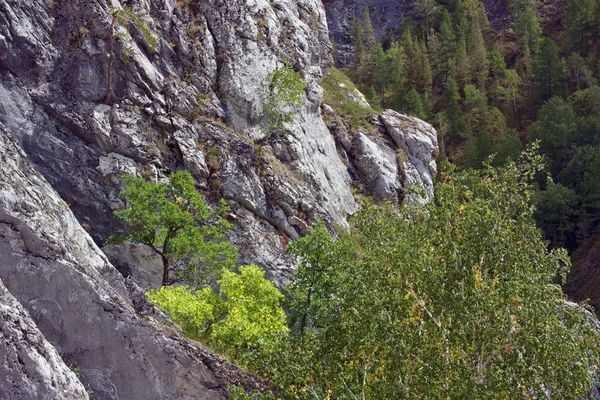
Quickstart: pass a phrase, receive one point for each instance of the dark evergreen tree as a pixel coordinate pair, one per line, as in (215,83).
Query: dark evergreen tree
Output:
(581,20)
(451,105)
(548,71)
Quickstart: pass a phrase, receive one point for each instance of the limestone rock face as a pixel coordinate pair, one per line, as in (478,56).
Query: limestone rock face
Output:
(193,100)
(187,93)
(31,368)
(100,324)
(417,141)
(394,157)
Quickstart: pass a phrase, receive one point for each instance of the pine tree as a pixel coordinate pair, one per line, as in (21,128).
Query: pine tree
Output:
(427,9)
(478,63)
(459,20)
(398,78)
(447,45)
(461,69)
(413,104)
(548,71)
(451,106)
(581,22)
(381,72)
(527,27)
(368,31)
(425,74)
(497,72)
(357,40)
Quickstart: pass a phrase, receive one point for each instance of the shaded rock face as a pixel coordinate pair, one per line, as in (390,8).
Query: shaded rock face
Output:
(387,17)
(31,368)
(394,157)
(100,324)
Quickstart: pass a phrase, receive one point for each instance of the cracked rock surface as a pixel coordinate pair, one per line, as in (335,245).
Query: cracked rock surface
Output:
(187,93)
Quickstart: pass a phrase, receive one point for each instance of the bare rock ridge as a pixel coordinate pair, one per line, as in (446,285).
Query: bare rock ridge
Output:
(188,93)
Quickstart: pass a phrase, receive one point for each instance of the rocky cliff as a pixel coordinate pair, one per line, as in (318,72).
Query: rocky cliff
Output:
(187,92)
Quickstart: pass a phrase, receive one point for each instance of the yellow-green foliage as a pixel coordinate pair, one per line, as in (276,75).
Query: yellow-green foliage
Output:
(253,310)
(191,311)
(338,97)
(250,318)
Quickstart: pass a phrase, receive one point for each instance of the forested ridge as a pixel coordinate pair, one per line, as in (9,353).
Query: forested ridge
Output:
(489,91)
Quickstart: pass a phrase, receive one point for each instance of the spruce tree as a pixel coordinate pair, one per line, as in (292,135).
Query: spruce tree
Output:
(451,106)
(381,72)
(461,70)
(478,63)
(447,45)
(368,31)
(398,70)
(548,71)
(580,16)
(357,40)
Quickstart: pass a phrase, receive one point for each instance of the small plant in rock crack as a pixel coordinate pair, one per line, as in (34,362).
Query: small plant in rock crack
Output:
(285,89)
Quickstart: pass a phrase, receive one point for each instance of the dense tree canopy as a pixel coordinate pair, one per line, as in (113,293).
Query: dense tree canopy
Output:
(173,220)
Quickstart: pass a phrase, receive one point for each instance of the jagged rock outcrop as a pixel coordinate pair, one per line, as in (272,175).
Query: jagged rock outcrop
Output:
(394,156)
(187,93)
(31,368)
(102,325)
(169,103)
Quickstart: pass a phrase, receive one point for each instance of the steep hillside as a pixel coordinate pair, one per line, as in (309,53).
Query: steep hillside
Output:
(93,89)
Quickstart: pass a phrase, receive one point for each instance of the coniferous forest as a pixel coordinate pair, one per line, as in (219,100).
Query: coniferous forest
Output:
(494,91)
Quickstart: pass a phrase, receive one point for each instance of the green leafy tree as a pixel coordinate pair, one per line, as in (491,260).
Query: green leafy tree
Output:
(250,318)
(456,300)
(173,220)
(481,147)
(253,312)
(557,214)
(580,76)
(285,89)
(555,129)
(496,75)
(510,92)
(508,148)
(548,71)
